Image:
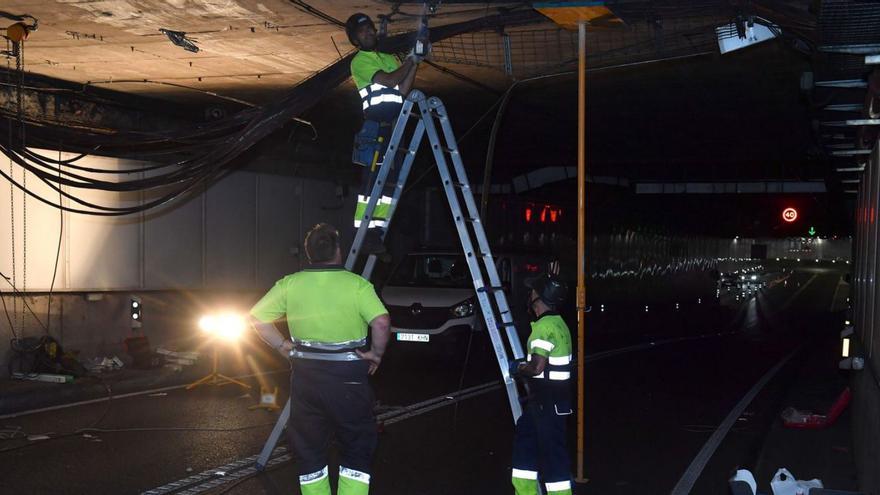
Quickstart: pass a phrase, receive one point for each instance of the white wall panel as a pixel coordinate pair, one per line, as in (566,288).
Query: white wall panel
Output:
(173,245)
(230,223)
(245,233)
(41,225)
(105,252)
(279,228)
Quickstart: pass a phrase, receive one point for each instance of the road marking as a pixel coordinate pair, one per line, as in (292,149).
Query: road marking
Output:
(692,473)
(796,294)
(834,297)
(123,396)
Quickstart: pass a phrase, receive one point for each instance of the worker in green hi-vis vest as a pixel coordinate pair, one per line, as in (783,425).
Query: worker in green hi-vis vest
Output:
(328,310)
(540,440)
(382,82)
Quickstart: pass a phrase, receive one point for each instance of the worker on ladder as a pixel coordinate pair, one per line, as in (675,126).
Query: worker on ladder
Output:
(539,440)
(327,310)
(382,82)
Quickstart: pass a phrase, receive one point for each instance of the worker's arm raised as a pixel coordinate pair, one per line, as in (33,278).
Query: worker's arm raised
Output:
(402,77)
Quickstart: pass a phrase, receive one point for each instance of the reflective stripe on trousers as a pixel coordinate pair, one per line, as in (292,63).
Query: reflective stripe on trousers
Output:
(353,482)
(380,213)
(540,440)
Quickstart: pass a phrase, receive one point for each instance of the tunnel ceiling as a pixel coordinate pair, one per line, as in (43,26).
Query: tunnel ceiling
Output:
(662,103)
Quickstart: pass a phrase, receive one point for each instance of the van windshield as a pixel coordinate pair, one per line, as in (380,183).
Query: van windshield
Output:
(432,270)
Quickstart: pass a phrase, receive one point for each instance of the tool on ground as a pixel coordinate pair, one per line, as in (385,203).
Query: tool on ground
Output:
(268,400)
(427,112)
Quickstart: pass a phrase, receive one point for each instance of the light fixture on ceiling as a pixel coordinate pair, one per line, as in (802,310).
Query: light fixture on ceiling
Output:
(745,31)
(179,38)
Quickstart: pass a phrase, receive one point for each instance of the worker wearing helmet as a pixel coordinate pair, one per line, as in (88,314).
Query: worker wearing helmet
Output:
(328,310)
(382,82)
(539,441)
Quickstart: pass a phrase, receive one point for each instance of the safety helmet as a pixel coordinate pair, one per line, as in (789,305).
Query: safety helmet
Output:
(549,288)
(353,23)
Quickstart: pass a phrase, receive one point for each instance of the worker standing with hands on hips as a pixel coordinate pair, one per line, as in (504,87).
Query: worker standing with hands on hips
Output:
(328,310)
(540,439)
(382,82)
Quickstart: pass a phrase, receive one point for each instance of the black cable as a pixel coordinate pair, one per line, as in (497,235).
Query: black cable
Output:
(24,300)
(8,318)
(57,256)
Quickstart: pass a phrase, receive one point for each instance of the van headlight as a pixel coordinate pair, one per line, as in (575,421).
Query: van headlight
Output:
(463,309)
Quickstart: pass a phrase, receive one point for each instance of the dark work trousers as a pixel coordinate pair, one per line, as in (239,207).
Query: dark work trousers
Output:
(539,439)
(368,180)
(331,399)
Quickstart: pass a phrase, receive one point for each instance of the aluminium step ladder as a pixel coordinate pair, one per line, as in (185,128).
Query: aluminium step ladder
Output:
(427,112)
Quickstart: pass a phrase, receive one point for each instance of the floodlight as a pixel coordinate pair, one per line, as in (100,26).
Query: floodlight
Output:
(227,326)
(224,326)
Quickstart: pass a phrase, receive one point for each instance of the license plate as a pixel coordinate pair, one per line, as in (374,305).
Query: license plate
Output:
(414,337)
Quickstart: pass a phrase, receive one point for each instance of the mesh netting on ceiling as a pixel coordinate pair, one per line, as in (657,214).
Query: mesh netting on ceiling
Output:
(523,53)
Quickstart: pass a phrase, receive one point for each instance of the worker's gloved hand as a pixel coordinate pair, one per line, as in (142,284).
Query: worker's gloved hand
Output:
(415,58)
(513,367)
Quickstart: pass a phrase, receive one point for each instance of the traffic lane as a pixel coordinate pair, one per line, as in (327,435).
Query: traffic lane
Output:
(648,414)
(133,461)
(808,324)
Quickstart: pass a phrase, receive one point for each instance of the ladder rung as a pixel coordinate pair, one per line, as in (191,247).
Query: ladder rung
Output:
(473,219)
(461,184)
(511,324)
(487,289)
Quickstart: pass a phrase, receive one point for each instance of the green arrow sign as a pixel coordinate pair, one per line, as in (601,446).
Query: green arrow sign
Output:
(812,231)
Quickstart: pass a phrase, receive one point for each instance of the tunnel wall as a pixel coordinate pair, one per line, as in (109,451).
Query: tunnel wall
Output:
(240,233)
(220,248)
(866,309)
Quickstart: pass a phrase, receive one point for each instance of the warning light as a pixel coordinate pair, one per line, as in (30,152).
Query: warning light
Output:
(528,214)
(553,215)
(544,214)
(789,215)
(532,268)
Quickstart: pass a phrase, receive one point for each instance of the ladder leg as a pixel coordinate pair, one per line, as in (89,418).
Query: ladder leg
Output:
(473,213)
(405,169)
(270,444)
(379,184)
(471,257)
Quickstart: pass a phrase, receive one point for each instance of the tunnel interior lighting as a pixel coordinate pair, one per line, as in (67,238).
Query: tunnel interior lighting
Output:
(845,350)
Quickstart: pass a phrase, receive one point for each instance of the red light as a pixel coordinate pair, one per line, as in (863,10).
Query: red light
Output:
(553,215)
(531,268)
(544,215)
(789,215)
(528,214)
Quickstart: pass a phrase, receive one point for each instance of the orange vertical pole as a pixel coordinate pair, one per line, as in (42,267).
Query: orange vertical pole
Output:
(581,289)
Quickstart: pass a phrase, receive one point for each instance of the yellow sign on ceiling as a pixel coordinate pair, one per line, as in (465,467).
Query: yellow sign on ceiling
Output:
(570,14)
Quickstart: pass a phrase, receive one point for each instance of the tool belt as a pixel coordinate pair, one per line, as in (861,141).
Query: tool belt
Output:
(369,145)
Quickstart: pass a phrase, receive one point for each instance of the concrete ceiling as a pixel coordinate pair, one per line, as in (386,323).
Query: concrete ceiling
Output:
(247,48)
(699,115)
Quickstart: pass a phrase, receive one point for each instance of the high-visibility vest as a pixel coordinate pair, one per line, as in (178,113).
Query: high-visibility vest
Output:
(380,103)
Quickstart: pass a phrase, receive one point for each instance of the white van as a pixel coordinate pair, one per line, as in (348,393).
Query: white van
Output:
(430,294)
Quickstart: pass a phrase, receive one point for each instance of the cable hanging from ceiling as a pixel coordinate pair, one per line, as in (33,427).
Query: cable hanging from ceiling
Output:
(184,160)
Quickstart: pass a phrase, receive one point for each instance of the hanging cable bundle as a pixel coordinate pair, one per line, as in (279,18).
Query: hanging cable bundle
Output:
(185,159)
